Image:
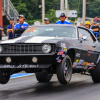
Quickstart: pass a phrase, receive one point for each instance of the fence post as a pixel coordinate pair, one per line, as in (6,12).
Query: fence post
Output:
(1,17)
(8,7)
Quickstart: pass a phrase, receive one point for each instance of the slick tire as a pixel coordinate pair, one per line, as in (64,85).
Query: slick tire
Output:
(95,73)
(4,76)
(64,71)
(43,77)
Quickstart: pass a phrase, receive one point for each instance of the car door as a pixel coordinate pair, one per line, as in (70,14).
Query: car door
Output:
(88,54)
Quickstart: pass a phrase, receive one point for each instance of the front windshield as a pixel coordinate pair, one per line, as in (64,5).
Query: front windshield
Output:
(51,31)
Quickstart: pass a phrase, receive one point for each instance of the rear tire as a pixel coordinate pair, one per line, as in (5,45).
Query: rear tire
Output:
(4,76)
(64,70)
(43,77)
(95,73)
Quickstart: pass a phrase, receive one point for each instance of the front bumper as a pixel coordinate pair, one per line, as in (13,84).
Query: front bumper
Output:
(25,66)
(25,60)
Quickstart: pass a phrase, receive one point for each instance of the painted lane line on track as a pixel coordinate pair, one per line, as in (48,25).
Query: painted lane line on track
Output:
(20,75)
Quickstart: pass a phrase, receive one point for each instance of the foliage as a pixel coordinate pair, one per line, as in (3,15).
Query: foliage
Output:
(30,8)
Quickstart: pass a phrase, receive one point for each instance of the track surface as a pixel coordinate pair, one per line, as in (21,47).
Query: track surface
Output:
(81,87)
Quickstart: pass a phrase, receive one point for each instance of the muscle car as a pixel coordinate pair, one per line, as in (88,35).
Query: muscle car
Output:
(51,49)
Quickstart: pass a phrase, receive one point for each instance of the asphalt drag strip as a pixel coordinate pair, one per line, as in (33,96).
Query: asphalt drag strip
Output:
(81,87)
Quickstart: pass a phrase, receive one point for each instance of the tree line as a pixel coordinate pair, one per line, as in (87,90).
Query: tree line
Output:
(30,9)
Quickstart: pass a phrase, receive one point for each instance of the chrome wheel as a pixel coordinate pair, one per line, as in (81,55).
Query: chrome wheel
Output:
(64,70)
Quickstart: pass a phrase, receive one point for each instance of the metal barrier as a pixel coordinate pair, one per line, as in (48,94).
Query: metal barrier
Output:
(97,34)
(9,10)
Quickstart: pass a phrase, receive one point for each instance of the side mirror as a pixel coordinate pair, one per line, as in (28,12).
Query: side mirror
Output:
(84,38)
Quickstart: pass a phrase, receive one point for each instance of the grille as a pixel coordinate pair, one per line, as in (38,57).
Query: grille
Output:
(22,49)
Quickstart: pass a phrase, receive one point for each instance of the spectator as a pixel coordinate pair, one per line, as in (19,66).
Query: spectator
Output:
(62,19)
(17,20)
(75,23)
(81,24)
(92,25)
(87,25)
(1,29)
(99,27)
(95,28)
(10,29)
(21,26)
(46,21)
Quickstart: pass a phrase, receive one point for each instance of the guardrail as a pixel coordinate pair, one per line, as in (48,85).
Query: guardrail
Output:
(97,34)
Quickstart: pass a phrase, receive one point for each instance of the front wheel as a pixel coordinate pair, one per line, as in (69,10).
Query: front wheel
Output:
(43,77)
(64,70)
(4,76)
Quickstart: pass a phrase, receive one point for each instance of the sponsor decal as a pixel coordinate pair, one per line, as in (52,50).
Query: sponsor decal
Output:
(58,58)
(59,61)
(60,53)
(80,62)
(70,43)
(77,54)
(79,66)
(63,46)
(91,68)
(21,66)
(88,53)
(87,47)
(63,55)
(86,67)
(75,64)
(74,44)
(77,60)
(85,63)
(65,49)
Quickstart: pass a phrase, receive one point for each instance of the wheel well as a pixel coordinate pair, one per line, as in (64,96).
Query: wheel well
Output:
(71,54)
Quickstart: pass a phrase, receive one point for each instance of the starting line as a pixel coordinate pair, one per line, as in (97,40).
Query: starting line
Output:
(20,75)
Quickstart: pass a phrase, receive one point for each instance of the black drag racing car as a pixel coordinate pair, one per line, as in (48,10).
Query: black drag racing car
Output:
(51,49)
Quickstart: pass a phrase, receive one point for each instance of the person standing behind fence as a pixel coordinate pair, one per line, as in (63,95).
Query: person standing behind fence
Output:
(10,29)
(62,19)
(20,27)
(1,29)
(95,28)
(46,21)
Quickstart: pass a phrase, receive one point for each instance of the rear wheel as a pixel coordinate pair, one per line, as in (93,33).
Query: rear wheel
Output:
(4,76)
(43,77)
(64,70)
(95,73)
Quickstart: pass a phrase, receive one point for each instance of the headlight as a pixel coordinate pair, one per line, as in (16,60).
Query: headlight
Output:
(46,48)
(0,48)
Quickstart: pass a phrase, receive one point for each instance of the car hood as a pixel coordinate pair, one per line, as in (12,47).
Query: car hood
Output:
(33,39)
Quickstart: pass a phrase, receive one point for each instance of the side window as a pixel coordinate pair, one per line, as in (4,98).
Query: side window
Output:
(83,32)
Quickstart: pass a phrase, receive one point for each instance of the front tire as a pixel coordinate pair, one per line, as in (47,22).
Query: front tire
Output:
(43,77)
(4,76)
(64,70)
(95,73)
